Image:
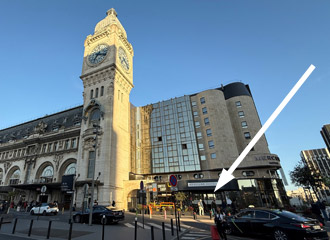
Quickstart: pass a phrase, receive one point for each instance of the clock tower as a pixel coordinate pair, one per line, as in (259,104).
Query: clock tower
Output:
(107,75)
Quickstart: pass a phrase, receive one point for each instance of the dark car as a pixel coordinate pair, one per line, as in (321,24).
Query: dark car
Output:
(111,215)
(279,224)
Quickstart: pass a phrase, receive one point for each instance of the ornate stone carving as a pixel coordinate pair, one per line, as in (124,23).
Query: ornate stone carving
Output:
(30,160)
(57,160)
(7,165)
(40,128)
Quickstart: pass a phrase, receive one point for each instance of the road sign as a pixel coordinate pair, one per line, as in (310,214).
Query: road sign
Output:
(43,189)
(173,180)
(174,189)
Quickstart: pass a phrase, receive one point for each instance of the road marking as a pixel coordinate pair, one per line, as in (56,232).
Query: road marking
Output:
(174,227)
(145,226)
(195,235)
(129,225)
(158,226)
(187,238)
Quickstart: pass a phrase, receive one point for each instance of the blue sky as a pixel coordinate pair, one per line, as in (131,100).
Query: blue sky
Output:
(181,47)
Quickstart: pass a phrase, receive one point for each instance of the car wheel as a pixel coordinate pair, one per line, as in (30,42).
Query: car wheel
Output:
(280,235)
(44,213)
(32,212)
(229,231)
(77,219)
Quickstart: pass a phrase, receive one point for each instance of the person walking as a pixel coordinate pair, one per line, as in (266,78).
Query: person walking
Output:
(220,222)
(200,207)
(213,207)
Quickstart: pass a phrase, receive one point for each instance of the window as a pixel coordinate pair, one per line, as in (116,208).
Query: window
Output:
(197,124)
(74,143)
(159,138)
(211,144)
(48,172)
(201,146)
(238,104)
(241,114)
(206,121)
(71,169)
(193,103)
(213,156)
(91,163)
(259,214)
(92,91)
(55,146)
(203,157)
(97,92)
(102,91)
(195,114)
(244,124)
(247,214)
(95,116)
(247,135)
(204,109)
(202,99)
(248,173)
(208,132)
(199,135)
(184,146)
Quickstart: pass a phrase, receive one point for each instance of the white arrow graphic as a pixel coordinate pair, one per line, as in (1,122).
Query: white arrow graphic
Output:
(227,176)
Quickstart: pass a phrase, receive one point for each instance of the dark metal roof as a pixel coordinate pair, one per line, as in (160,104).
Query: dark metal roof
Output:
(49,123)
(235,89)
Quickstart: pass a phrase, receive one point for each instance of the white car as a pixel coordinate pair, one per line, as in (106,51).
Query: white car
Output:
(44,209)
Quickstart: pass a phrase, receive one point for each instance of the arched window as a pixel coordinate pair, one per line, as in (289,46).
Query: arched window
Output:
(97,92)
(71,169)
(47,174)
(95,116)
(1,175)
(92,94)
(102,91)
(14,179)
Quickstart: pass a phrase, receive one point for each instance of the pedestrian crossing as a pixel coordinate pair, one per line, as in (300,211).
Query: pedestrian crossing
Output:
(196,235)
(147,225)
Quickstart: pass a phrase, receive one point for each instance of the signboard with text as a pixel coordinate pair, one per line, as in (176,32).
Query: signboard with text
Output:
(67,182)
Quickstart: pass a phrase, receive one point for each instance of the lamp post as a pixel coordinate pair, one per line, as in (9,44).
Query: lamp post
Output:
(96,131)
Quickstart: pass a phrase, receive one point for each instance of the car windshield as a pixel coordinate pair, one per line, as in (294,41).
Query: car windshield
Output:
(290,215)
(52,205)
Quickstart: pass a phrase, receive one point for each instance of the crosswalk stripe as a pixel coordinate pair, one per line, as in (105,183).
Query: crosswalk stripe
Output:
(141,225)
(187,238)
(129,225)
(158,226)
(169,225)
(195,235)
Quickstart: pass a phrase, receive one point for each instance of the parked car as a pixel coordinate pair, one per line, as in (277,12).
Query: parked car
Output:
(279,224)
(44,209)
(111,215)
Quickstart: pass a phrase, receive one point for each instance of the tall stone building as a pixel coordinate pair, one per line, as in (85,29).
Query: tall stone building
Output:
(118,145)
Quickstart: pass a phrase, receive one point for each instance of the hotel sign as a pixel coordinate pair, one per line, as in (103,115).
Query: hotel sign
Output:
(202,184)
(267,157)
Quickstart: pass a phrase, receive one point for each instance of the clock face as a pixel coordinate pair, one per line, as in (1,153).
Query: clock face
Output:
(98,54)
(123,58)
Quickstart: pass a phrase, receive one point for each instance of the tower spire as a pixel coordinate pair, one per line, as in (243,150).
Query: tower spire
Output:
(112,11)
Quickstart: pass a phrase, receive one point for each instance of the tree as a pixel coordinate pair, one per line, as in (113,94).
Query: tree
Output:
(302,175)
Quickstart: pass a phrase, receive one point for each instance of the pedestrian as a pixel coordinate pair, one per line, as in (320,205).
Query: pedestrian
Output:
(220,221)
(213,207)
(323,210)
(200,207)
(113,203)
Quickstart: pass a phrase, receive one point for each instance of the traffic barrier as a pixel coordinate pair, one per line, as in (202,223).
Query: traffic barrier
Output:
(163,228)
(70,231)
(49,227)
(152,233)
(14,228)
(30,229)
(103,223)
(172,228)
(135,234)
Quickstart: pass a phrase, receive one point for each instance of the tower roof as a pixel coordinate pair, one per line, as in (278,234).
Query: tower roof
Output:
(110,19)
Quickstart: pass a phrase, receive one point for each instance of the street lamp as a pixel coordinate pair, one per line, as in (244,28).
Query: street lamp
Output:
(96,132)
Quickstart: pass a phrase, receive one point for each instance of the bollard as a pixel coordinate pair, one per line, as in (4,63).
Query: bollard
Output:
(172,228)
(70,231)
(135,234)
(103,221)
(14,228)
(163,228)
(152,233)
(49,227)
(30,229)
(1,222)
